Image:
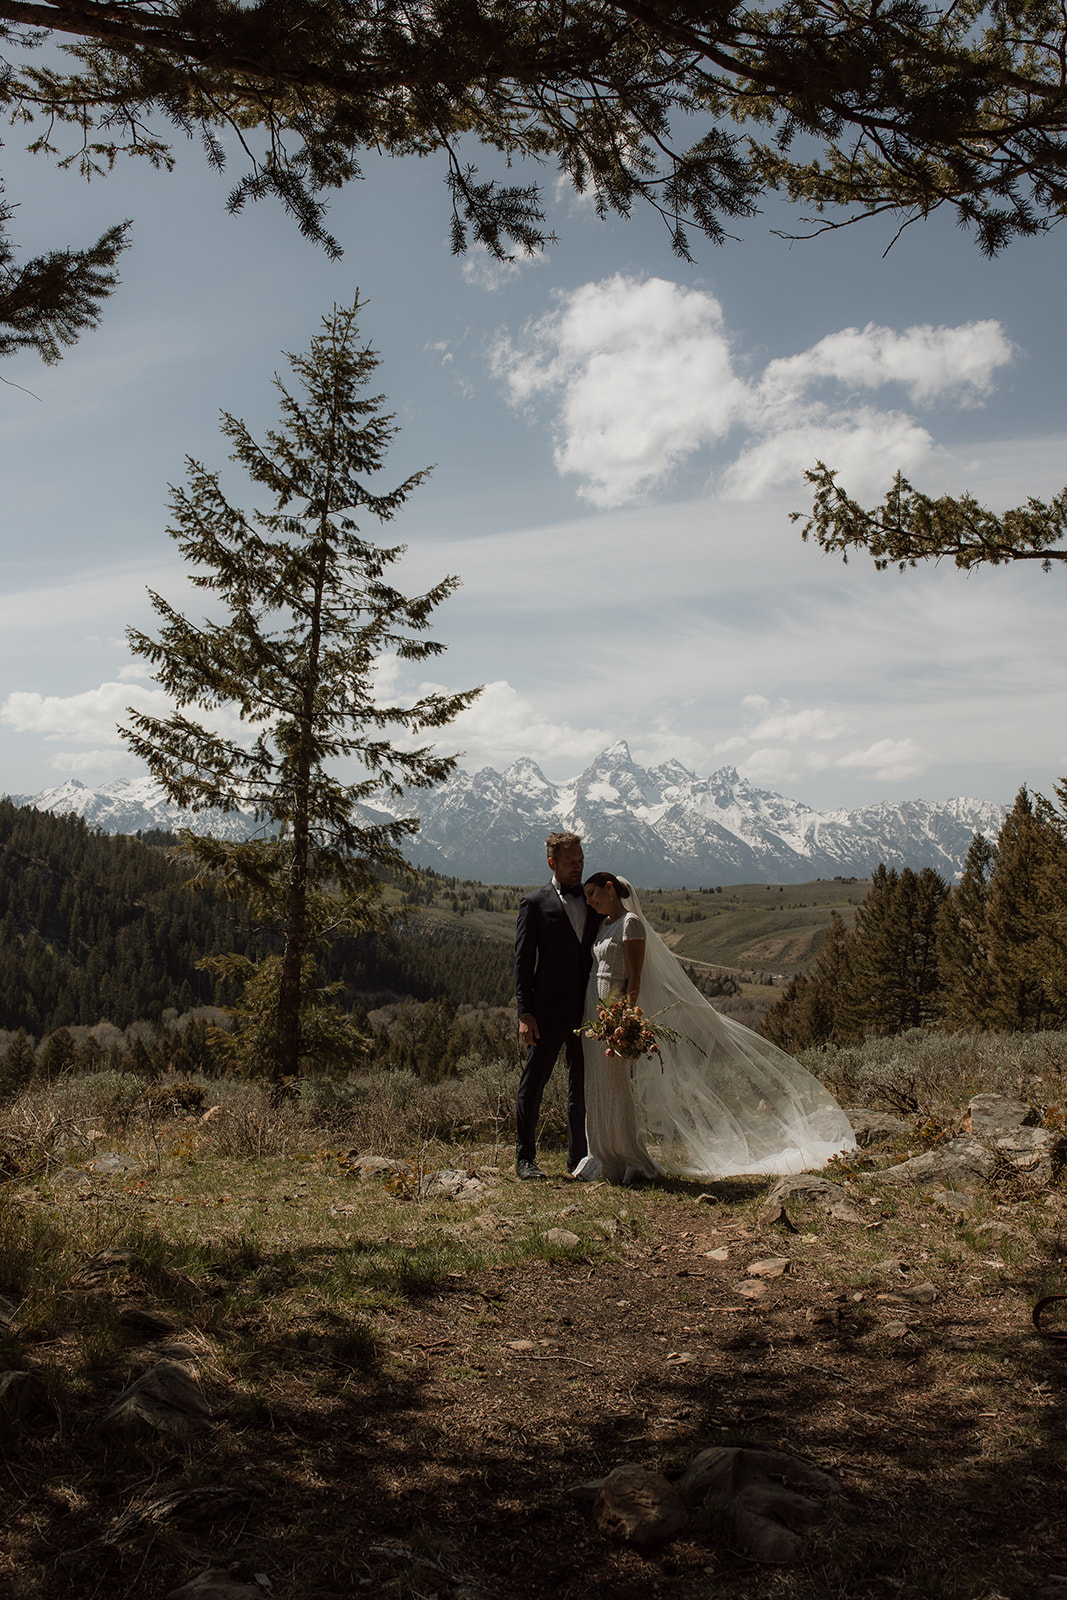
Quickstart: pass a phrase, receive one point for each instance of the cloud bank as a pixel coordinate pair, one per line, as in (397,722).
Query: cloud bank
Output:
(643,374)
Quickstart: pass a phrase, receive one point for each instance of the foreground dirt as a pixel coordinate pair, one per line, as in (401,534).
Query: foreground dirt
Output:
(444,1468)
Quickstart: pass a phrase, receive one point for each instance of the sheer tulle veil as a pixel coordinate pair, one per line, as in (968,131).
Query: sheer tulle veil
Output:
(721,1100)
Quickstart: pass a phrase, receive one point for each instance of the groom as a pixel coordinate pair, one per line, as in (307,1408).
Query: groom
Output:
(553,954)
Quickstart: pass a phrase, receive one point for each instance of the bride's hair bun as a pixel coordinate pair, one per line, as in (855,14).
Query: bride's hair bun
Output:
(602,879)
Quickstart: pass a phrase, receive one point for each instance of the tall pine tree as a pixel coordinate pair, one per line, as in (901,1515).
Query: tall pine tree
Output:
(963,946)
(307,614)
(896,979)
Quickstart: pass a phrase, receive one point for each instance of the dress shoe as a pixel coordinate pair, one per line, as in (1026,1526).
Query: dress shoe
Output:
(528,1169)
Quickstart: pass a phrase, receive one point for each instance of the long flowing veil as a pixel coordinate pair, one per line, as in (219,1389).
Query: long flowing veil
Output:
(721,1100)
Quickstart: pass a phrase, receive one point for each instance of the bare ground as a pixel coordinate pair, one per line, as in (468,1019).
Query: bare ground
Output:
(441,1465)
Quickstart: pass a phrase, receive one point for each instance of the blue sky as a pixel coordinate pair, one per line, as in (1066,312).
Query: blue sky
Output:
(618,440)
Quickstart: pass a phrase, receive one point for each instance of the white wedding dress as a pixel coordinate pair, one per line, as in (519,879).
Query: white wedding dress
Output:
(617,1152)
(719,1101)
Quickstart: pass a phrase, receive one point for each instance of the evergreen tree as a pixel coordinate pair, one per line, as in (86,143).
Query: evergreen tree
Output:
(963,947)
(896,977)
(307,615)
(1017,906)
(48,301)
(898,107)
(17,1067)
(910,527)
(57,1056)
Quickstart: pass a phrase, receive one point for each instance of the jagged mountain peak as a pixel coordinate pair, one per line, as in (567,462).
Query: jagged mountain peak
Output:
(664,826)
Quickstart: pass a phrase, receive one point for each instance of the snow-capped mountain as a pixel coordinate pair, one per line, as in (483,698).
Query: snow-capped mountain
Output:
(664,826)
(135,805)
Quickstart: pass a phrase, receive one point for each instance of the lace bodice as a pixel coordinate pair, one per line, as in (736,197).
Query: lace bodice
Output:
(609,958)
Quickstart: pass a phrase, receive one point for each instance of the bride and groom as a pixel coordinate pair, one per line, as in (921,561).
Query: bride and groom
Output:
(719,1100)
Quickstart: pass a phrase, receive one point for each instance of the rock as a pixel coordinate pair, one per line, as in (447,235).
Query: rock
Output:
(375,1166)
(751,1290)
(216,1584)
(776,1216)
(806,1186)
(114,1161)
(842,1211)
(564,1237)
(773,1267)
(148,1324)
(22,1397)
(956,1163)
(993,1114)
(896,1330)
(956,1200)
(915,1294)
(870,1126)
(72,1178)
(451,1184)
(753,1496)
(1036,1153)
(639,1507)
(166,1399)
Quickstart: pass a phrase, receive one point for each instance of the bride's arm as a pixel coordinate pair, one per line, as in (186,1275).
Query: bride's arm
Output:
(634,952)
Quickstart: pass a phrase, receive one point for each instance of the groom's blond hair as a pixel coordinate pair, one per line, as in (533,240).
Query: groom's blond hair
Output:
(560,841)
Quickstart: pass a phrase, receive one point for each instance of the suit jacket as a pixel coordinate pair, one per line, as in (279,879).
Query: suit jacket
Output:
(551,963)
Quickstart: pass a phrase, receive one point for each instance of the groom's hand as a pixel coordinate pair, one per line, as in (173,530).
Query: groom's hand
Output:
(529,1032)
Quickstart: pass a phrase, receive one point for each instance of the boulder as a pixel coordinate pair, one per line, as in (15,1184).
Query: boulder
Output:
(165,1399)
(23,1397)
(955,1164)
(992,1114)
(870,1126)
(753,1498)
(639,1507)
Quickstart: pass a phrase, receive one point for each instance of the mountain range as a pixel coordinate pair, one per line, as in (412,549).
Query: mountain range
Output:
(664,826)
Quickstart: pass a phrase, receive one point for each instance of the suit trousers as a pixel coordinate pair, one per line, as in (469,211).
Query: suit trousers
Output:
(540,1060)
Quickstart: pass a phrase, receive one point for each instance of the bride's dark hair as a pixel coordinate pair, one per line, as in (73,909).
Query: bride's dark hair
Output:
(601,880)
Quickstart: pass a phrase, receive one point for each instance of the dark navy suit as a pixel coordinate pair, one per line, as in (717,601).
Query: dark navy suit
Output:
(551,971)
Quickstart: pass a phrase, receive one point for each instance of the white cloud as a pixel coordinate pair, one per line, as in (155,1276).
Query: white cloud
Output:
(887,760)
(643,375)
(92,717)
(482,271)
(866,450)
(646,378)
(112,762)
(959,362)
(502,725)
(794,726)
(89,717)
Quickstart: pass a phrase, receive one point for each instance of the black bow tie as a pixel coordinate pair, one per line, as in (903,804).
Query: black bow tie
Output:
(579,892)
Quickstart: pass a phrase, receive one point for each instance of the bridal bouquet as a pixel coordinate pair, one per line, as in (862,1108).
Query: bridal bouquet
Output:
(625,1030)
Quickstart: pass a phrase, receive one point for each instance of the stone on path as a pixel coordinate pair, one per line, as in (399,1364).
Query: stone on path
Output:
(754,1497)
(165,1399)
(637,1506)
(22,1397)
(217,1584)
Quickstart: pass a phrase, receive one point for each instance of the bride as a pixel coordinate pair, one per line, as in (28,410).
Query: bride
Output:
(718,1100)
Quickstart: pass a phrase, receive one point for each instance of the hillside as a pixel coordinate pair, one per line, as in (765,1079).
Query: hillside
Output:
(96,926)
